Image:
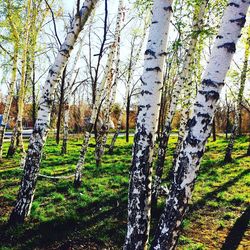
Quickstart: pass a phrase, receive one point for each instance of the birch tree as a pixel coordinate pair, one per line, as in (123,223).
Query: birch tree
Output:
(236,126)
(11,90)
(40,131)
(21,92)
(183,79)
(149,99)
(199,126)
(111,86)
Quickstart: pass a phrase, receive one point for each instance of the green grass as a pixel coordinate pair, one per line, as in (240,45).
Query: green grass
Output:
(95,215)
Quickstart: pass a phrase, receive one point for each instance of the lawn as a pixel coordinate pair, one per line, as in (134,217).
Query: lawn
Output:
(94,216)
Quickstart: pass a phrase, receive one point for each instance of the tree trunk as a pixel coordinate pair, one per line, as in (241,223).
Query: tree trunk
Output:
(199,126)
(184,78)
(9,97)
(61,102)
(21,92)
(92,122)
(111,88)
(214,129)
(40,131)
(127,118)
(237,117)
(146,127)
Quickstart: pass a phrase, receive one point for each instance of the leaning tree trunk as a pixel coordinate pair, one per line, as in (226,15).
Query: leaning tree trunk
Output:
(91,123)
(9,97)
(139,196)
(199,126)
(40,131)
(112,79)
(237,117)
(69,91)
(184,78)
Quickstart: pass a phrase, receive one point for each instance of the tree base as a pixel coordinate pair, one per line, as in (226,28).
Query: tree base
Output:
(77,183)
(11,152)
(228,158)
(16,218)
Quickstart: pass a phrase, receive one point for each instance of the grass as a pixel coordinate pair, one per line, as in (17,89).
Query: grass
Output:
(94,216)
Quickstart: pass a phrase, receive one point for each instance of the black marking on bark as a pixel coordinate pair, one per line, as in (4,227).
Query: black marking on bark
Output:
(210,83)
(154,22)
(145,92)
(206,116)
(143,83)
(210,95)
(191,140)
(219,37)
(191,122)
(158,69)
(51,72)
(231,48)
(169,8)
(239,21)
(234,4)
(163,54)
(150,52)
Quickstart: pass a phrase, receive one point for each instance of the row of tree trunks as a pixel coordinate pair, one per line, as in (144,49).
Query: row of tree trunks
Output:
(183,79)
(40,131)
(199,126)
(139,196)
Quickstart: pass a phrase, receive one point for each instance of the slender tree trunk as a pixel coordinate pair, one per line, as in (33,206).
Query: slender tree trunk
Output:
(228,118)
(126,105)
(237,124)
(248,149)
(93,119)
(40,131)
(112,87)
(186,73)
(21,93)
(34,95)
(214,129)
(61,102)
(9,97)
(139,196)
(199,126)
(127,118)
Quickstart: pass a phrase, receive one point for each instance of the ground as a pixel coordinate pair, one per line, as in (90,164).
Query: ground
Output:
(94,216)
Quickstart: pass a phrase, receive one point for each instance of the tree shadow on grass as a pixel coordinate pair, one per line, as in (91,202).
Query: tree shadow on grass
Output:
(98,222)
(211,195)
(237,231)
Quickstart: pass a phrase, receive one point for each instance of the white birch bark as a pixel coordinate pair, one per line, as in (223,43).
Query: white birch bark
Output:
(111,87)
(199,126)
(9,97)
(184,78)
(40,131)
(68,96)
(127,93)
(149,102)
(91,123)
(235,129)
